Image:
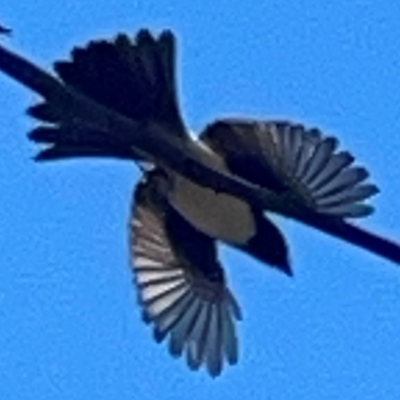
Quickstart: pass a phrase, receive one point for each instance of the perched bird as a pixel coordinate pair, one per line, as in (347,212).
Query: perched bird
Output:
(175,222)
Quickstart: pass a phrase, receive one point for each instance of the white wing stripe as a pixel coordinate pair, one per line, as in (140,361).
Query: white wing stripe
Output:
(157,305)
(154,292)
(146,262)
(149,276)
(172,314)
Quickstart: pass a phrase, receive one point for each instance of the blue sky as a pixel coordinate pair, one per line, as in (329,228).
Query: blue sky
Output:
(70,326)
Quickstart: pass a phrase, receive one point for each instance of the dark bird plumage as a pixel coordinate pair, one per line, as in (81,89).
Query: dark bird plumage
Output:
(176,223)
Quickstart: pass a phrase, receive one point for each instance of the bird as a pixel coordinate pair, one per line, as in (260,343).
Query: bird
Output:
(176,223)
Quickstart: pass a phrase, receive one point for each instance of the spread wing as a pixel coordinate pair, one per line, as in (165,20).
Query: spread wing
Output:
(287,157)
(135,78)
(181,284)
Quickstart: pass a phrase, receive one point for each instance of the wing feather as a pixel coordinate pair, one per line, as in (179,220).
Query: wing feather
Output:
(287,157)
(181,284)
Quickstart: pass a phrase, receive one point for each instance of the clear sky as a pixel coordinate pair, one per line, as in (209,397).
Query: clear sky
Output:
(69,324)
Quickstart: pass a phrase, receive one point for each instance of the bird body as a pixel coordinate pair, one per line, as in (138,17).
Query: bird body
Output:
(216,214)
(176,222)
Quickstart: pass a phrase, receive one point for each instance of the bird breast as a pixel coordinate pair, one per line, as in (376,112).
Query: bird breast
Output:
(216,214)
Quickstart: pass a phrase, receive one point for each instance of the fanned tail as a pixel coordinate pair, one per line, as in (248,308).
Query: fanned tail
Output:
(136,79)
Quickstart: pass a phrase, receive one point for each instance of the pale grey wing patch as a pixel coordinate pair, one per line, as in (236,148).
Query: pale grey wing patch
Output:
(307,148)
(195,314)
(318,175)
(336,163)
(292,152)
(303,164)
(317,162)
(287,157)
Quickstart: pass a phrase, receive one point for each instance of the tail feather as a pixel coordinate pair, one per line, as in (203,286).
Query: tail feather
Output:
(134,78)
(75,141)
